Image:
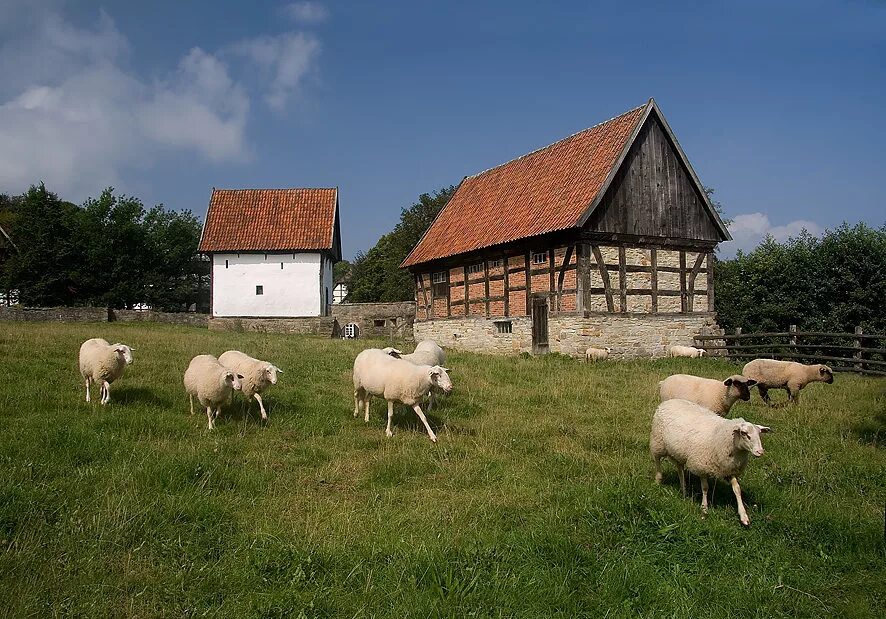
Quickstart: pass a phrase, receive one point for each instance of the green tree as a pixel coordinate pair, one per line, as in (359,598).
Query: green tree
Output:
(376,275)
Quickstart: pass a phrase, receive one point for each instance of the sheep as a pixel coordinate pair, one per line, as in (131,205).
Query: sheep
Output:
(685,351)
(396,380)
(702,443)
(103,363)
(715,395)
(597,354)
(257,375)
(211,383)
(788,375)
(427,352)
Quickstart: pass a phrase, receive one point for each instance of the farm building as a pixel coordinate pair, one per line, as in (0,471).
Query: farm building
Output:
(272,251)
(603,238)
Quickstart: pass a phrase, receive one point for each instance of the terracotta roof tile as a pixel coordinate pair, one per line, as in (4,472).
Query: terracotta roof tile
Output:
(544,191)
(269,220)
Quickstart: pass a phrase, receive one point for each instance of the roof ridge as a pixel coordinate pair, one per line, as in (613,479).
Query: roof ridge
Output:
(552,144)
(214,189)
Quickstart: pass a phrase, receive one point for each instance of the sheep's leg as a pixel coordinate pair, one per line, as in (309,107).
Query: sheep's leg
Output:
(682,476)
(793,394)
(704,495)
(657,461)
(430,400)
(366,398)
(358,402)
(388,431)
(424,420)
(209,417)
(261,405)
(742,514)
(87,389)
(764,393)
(107,389)
(191,400)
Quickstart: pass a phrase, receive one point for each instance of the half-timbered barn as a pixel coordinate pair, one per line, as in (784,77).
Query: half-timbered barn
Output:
(603,238)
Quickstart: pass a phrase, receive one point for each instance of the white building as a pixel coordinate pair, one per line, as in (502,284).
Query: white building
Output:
(272,251)
(339,293)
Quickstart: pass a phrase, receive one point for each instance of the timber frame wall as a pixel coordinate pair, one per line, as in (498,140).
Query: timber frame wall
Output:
(583,278)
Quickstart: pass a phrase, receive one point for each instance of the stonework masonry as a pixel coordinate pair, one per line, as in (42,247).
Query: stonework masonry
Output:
(629,335)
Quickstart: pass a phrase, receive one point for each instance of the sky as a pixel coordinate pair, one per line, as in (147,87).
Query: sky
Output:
(778,106)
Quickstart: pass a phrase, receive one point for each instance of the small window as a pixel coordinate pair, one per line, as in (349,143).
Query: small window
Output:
(379,322)
(494,264)
(504,326)
(475,268)
(266,256)
(226,264)
(281,266)
(540,257)
(259,290)
(439,277)
(440,284)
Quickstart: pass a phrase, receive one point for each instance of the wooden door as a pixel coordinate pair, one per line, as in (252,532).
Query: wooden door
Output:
(540,325)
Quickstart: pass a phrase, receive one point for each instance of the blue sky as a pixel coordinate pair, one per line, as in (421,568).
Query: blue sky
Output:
(778,107)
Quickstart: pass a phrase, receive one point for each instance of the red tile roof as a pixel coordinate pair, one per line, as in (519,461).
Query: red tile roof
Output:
(270,220)
(547,190)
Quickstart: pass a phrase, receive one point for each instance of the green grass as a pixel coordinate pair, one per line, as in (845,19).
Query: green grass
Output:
(537,501)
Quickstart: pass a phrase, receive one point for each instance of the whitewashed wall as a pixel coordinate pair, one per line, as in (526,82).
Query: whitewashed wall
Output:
(293,290)
(327,284)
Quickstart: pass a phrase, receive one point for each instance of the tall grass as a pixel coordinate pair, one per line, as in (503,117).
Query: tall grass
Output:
(537,501)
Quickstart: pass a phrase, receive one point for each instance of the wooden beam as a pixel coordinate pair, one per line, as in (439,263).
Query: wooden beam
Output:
(683,303)
(528,286)
(566,260)
(486,277)
(507,288)
(710,274)
(653,256)
(580,277)
(604,274)
(448,297)
(695,269)
(622,279)
(467,296)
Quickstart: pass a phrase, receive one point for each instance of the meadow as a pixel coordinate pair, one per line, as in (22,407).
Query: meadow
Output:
(537,501)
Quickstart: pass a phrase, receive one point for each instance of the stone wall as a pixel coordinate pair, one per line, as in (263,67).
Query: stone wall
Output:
(393,319)
(312,325)
(175,318)
(629,335)
(54,314)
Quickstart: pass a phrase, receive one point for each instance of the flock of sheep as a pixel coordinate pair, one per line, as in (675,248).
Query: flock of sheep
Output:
(689,426)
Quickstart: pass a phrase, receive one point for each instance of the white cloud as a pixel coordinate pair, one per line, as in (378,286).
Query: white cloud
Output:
(750,229)
(306,12)
(74,115)
(283,60)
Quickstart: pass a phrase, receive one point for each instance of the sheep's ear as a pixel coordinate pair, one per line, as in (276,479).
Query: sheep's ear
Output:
(728,382)
(279,371)
(447,370)
(751,382)
(239,377)
(764,429)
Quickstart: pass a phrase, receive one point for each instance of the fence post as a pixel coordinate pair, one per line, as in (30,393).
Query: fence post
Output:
(736,341)
(859,365)
(793,336)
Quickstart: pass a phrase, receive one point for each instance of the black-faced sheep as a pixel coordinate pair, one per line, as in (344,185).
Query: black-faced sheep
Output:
(788,375)
(716,395)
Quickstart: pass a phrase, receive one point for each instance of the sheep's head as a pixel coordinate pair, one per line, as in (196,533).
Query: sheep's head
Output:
(608,350)
(825,374)
(390,350)
(233,379)
(124,351)
(740,386)
(701,352)
(440,378)
(746,437)
(271,372)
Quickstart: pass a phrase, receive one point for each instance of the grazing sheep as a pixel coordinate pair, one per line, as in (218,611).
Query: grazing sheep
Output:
(256,375)
(716,395)
(211,383)
(685,351)
(704,444)
(788,375)
(427,352)
(377,373)
(103,363)
(597,354)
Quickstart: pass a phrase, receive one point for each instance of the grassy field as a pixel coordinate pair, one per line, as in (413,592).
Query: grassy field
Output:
(537,501)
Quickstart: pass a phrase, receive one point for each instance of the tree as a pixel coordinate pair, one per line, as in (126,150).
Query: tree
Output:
(376,275)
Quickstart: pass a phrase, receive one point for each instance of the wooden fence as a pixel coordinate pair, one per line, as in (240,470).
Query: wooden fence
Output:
(854,352)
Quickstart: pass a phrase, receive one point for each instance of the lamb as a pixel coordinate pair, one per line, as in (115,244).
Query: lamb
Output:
(396,380)
(257,375)
(685,351)
(704,444)
(427,352)
(715,395)
(788,375)
(103,363)
(211,383)
(597,354)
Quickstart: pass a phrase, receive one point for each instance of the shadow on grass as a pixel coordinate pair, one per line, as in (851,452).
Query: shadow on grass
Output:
(719,490)
(139,395)
(873,430)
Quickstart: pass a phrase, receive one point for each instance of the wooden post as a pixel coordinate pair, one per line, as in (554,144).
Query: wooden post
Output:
(793,337)
(486,277)
(653,280)
(736,340)
(859,365)
(528,287)
(507,266)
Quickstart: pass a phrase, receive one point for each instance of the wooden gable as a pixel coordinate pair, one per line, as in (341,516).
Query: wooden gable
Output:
(655,193)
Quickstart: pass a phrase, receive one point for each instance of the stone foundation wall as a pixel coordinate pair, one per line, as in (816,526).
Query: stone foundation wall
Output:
(312,325)
(629,335)
(54,314)
(378,319)
(174,318)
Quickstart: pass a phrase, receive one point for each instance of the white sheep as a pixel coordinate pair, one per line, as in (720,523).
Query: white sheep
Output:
(256,375)
(704,444)
(103,363)
(685,351)
(378,373)
(427,352)
(211,383)
(788,375)
(597,354)
(713,394)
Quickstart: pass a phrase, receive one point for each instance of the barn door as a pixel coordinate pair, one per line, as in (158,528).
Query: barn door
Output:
(540,325)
